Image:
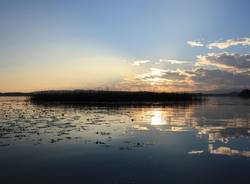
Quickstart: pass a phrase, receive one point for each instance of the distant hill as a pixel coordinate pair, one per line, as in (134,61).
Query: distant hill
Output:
(222,91)
(245,93)
(232,94)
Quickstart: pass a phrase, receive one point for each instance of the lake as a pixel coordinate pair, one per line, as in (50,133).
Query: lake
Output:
(207,142)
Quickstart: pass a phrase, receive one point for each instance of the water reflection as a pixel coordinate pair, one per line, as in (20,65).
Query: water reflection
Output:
(157,119)
(217,121)
(223,150)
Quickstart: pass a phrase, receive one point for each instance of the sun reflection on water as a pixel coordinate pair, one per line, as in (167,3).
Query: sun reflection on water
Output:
(157,119)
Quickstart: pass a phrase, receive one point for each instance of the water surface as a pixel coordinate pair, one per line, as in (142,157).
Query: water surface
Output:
(199,143)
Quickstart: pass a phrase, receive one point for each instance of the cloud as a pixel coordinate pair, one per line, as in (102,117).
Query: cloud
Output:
(226,61)
(156,74)
(191,80)
(212,71)
(140,62)
(172,61)
(210,79)
(195,43)
(171,80)
(245,41)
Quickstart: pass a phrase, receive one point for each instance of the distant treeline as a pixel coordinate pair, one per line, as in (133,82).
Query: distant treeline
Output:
(15,94)
(88,97)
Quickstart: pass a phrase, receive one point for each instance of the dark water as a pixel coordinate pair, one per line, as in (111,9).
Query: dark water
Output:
(202,143)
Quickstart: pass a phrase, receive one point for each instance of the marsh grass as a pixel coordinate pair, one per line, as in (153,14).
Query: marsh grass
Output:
(115,98)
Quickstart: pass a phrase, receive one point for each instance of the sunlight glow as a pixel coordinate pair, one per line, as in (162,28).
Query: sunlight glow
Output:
(157,119)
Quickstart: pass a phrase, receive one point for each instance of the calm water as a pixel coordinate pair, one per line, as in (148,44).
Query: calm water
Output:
(204,143)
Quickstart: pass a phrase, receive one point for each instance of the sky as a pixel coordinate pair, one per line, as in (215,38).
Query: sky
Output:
(152,45)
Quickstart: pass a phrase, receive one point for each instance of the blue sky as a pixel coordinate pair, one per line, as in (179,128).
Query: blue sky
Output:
(54,35)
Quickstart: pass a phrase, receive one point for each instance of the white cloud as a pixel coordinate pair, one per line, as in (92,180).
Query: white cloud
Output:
(140,62)
(195,43)
(158,76)
(173,61)
(163,74)
(228,43)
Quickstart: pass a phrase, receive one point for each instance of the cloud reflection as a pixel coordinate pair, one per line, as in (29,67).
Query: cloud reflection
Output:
(223,150)
(207,124)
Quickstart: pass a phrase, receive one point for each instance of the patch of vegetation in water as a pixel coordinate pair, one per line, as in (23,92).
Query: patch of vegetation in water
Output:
(113,97)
